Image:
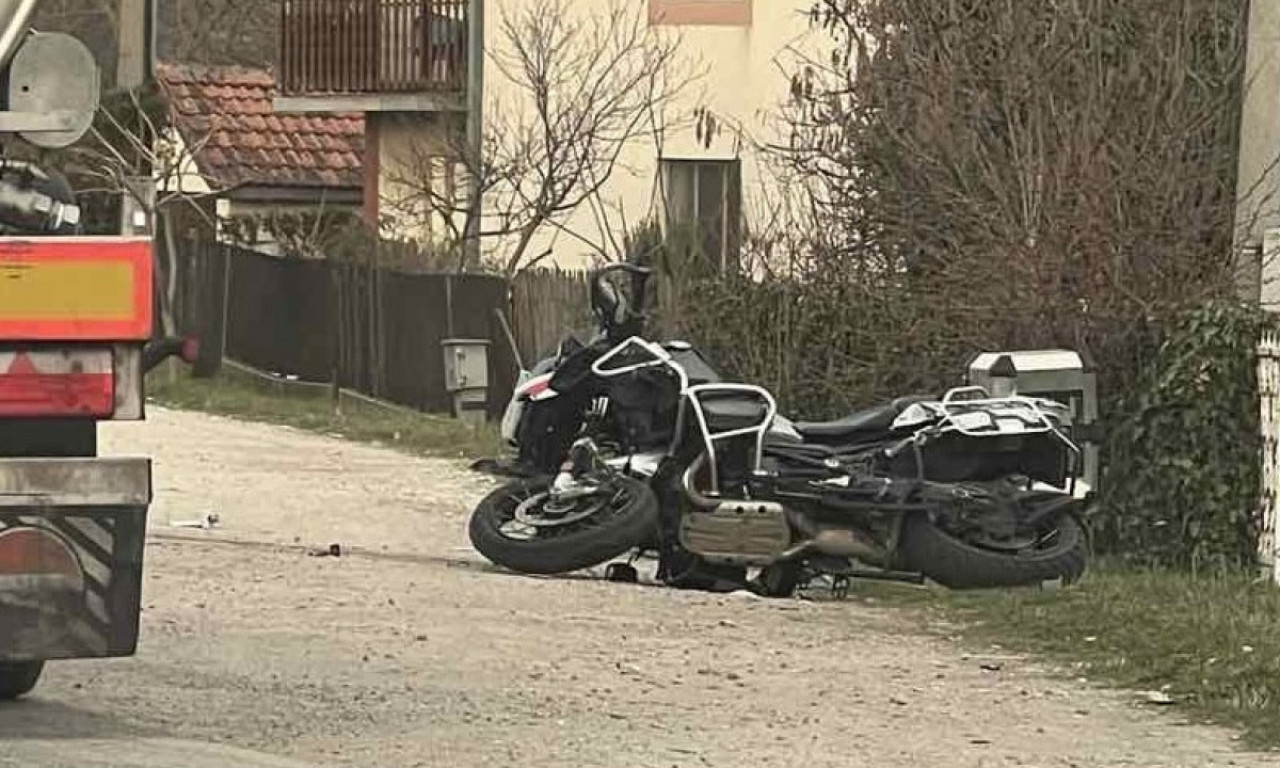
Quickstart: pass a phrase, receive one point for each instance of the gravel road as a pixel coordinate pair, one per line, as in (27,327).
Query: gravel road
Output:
(410,651)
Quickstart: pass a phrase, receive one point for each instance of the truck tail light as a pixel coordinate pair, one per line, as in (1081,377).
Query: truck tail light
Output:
(36,552)
(77,383)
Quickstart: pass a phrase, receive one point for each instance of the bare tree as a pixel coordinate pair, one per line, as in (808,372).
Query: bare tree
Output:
(189,31)
(585,85)
(990,176)
(132,151)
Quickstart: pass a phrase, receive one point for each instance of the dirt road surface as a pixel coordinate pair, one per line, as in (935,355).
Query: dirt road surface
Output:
(411,652)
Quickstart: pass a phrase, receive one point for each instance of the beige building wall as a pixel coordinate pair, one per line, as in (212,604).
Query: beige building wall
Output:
(1258,220)
(413,151)
(743,47)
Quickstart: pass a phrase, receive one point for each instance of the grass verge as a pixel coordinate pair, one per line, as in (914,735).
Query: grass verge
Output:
(1209,642)
(252,398)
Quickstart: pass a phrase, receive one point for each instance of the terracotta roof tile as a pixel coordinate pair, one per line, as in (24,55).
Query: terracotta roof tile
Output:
(227,111)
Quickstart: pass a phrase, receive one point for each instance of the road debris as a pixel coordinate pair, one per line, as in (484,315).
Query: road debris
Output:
(1158,698)
(208,522)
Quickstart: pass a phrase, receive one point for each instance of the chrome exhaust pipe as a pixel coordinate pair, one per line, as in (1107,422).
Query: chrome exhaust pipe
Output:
(687,482)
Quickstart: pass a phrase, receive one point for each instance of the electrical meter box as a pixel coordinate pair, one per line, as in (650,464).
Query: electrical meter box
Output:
(466,377)
(1054,374)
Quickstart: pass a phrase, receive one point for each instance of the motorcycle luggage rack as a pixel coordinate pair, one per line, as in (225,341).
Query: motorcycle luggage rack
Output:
(953,409)
(695,396)
(954,406)
(661,358)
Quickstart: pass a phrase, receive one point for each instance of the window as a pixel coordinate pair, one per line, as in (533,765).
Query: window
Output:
(736,13)
(704,198)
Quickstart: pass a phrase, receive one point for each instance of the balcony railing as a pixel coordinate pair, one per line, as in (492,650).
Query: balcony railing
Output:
(372,46)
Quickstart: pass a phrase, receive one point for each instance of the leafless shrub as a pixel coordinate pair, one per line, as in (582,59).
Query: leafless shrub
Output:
(583,84)
(994,176)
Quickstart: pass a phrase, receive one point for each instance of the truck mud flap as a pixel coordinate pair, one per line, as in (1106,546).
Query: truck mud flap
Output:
(71,549)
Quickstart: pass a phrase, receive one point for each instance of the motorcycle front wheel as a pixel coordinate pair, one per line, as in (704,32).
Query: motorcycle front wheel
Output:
(524,527)
(18,679)
(1061,552)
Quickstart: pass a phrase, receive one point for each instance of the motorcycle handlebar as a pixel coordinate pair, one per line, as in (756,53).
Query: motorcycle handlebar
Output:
(621,267)
(624,265)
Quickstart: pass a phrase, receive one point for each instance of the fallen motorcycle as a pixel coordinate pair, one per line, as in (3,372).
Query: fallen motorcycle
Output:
(624,444)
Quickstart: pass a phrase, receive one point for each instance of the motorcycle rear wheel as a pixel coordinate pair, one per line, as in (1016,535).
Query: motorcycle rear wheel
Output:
(956,564)
(623,516)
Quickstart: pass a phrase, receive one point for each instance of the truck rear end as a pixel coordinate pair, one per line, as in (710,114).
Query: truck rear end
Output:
(75,324)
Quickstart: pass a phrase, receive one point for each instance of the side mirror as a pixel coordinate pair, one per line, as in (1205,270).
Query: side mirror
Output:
(190,351)
(158,350)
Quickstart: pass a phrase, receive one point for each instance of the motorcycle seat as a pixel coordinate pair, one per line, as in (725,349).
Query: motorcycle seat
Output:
(867,422)
(725,414)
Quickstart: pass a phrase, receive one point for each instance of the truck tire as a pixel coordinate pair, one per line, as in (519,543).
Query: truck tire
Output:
(18,679)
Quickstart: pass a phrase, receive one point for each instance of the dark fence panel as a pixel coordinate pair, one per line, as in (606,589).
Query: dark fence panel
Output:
(377,331)
(279,315)
(200,303)
(415,315)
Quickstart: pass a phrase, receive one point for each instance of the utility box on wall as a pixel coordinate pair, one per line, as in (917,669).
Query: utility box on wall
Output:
(1054,374)
(466,377)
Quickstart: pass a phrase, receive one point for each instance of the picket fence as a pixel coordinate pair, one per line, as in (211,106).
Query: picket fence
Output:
(1269,402)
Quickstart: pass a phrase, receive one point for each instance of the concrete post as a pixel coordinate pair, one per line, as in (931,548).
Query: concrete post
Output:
(475,125)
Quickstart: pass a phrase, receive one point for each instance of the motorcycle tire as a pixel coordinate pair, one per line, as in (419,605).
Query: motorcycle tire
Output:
(18,679)
(780,579)
(955,564)
(614,530)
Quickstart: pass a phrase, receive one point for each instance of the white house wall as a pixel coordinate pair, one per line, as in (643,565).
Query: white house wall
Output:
(1258,219)
(410,147)
(744,85)
(181,176)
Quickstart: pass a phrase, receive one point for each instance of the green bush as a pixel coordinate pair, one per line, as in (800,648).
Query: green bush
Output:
(1181,464)
(1179,410)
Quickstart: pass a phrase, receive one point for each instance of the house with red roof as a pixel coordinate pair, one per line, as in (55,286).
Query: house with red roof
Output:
(234,148)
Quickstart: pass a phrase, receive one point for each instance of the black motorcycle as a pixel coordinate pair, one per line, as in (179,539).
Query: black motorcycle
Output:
(623,444)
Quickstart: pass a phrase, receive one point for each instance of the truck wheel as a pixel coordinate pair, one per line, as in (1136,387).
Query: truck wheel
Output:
(18,679)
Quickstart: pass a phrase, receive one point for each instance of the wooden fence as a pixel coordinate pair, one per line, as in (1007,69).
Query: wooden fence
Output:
(376,331)
(545,306)
(1269,391)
